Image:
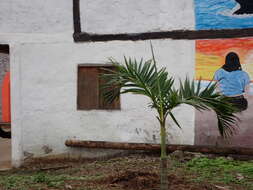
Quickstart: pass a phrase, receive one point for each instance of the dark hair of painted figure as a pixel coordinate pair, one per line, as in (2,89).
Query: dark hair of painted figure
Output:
(246,7)
(232,62)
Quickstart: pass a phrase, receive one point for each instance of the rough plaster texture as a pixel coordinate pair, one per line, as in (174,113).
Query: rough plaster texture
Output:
(47,89)
(117,16)
(36,16)
(16,108)
(20,38)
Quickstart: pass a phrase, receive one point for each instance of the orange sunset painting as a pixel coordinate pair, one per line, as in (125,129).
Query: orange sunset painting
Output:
(210,56)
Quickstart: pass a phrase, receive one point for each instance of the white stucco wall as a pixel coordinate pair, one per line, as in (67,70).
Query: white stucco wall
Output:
(47,89)
(43,64)
(131,16)
(36,16)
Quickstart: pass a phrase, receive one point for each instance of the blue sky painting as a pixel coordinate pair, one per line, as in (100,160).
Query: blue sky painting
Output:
(218,14)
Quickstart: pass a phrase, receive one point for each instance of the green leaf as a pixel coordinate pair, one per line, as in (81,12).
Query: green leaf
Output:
(174,119)
(144,78)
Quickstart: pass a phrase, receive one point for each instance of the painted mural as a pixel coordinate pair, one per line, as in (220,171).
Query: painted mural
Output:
(4,78)
(223,14)
(230,63)
(210,55)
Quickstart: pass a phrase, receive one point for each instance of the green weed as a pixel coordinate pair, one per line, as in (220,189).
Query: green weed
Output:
(221,170)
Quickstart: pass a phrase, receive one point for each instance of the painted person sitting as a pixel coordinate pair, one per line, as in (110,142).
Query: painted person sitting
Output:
(233,82)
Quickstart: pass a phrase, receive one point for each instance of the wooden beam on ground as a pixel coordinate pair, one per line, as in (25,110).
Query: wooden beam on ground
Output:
(156,147)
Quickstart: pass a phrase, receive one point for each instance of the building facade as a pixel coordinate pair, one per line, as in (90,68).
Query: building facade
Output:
(50,40)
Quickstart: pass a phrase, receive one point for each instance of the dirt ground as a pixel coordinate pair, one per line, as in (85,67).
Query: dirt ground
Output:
(134,172)
(5,153)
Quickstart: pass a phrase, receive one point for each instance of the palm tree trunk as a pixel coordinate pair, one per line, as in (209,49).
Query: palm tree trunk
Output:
(163,161)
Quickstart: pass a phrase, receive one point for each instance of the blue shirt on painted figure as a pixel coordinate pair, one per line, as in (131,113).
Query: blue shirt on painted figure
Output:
(232,83)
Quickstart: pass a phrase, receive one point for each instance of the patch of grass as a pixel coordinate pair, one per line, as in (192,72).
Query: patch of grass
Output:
(49,180)
(41,180)
(26,181)
(221,170)
(14,182)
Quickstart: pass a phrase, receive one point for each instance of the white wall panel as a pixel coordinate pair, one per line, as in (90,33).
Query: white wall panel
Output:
(48,91)
(131,16)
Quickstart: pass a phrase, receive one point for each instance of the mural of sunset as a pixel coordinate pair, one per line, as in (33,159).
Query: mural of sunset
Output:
(210,55)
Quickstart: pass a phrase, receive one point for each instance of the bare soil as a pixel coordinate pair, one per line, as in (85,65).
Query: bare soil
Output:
(137,180)
(135,172)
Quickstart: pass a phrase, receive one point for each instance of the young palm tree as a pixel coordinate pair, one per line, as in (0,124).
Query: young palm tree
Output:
(144,78)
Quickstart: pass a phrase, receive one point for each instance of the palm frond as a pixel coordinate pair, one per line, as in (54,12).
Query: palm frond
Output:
(209,99)
(132,76)
(174,119)
(143,78)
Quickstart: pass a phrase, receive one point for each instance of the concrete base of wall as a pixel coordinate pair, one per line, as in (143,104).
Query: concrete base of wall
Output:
(78,154)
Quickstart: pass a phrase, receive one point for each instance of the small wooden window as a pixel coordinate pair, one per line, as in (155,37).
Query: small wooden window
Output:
(89,94)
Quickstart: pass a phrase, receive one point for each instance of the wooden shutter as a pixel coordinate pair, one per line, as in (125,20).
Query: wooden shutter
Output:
(88,88)
(89,95)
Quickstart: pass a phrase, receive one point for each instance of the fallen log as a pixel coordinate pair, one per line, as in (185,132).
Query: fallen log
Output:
(156,147)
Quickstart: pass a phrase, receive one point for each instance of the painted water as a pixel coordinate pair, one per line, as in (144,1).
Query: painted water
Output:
(219,14)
